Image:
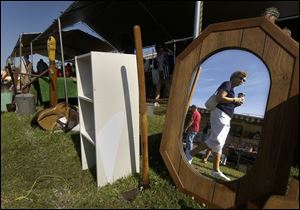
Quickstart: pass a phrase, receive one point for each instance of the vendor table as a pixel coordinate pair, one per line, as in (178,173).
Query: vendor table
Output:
(41,89)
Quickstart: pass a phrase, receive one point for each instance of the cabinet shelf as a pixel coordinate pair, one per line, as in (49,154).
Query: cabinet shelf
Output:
(107,87)
(84,78)
(86,99)
(87,135)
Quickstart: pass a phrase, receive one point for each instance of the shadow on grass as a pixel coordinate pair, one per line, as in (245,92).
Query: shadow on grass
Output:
(76,141)
(183,205)
(156,162)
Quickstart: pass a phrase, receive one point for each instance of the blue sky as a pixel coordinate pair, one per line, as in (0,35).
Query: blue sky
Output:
(29,16)
(218,68)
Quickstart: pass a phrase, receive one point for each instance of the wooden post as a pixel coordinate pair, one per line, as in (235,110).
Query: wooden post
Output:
(51,45)
(142,105)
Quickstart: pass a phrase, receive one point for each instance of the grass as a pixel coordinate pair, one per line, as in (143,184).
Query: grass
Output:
(41,169)
(205,169)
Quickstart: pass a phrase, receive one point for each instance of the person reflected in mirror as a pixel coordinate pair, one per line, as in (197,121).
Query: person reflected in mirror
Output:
(192,129)
(256,135)
(220,120)
(205,134)
(272,14)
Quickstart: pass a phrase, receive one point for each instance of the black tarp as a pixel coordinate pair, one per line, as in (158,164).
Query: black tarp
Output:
(161,21)
(75,42)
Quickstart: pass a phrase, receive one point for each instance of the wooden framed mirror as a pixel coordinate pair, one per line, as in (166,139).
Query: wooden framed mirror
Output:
(280,127)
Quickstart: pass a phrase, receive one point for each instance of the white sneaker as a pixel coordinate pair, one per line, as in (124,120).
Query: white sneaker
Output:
(219,175)
(190,161)
(156,104)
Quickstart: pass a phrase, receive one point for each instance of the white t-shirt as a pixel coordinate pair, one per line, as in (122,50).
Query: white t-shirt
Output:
(23,64)
(23,67)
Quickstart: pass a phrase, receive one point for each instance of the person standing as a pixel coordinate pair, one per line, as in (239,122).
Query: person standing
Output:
(272,14)
(192,129)
(163,69)
(220,120)
(41,66)
(206,134)
(26,69)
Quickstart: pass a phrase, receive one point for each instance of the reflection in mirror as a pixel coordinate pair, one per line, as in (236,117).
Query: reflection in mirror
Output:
(194,79)
(243,134)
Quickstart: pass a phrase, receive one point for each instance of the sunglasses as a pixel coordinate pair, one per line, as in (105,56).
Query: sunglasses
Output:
(243,79)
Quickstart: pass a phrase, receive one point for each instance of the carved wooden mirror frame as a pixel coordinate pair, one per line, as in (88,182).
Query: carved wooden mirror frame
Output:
(280,127)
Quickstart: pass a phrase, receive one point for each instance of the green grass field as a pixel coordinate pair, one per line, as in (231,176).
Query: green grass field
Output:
(43,170)
(40,169)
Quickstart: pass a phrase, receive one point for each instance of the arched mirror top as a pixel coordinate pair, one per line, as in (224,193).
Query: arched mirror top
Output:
(218,67)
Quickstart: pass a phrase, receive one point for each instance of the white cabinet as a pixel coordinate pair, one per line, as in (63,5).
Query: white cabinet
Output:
(108,102)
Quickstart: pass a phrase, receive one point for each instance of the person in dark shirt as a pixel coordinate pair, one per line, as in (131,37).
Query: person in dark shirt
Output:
(164,65)
(41,66)
(220,120)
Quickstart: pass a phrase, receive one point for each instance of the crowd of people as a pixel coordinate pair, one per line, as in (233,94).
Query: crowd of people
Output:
(22,73)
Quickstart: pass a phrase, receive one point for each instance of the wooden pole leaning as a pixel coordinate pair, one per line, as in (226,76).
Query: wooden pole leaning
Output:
(142,105)
(51,45)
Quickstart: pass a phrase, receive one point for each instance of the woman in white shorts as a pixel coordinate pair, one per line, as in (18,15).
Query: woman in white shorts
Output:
(220,120)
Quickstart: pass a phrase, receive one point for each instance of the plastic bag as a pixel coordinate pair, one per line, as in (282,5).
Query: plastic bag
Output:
(211,102)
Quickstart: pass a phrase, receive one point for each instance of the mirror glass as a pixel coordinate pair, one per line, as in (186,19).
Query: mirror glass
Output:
(242,141)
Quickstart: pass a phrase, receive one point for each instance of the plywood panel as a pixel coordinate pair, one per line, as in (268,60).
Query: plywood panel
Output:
(238,24)
(278,138)
(223,196)
(254,39)
(177,104)
(294,90)
(196,183)
(219,40)
(288,135)
(282,39)
(173,167)
(280,64)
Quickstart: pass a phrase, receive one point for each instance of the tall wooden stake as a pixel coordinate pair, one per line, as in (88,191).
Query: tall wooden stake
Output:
(142,105)
(51,46)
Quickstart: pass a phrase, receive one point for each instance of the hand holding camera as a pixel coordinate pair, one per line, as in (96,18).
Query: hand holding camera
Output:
(241,98)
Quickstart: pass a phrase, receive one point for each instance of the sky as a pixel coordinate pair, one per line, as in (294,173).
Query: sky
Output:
(29,16)
(218,68)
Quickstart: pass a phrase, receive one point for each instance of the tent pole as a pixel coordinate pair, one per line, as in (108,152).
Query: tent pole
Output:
(20,54)
(198,18)
(62,59)
(31,52)
(288,18)
(174,52)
